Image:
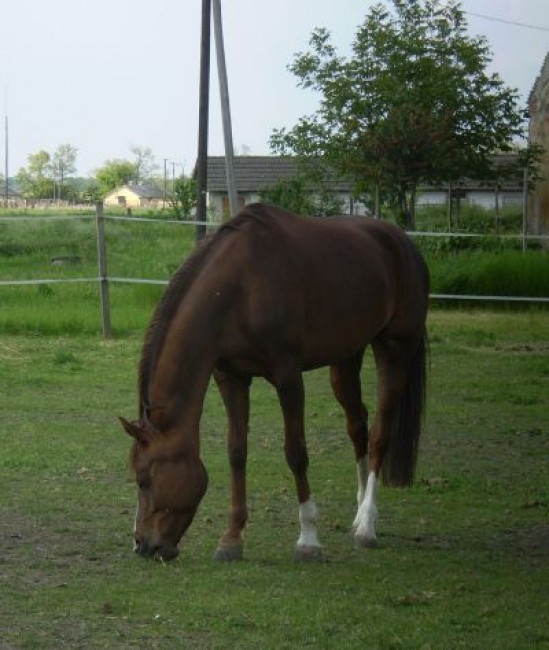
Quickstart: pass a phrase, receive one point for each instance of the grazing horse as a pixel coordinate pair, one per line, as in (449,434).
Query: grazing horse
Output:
(271,295)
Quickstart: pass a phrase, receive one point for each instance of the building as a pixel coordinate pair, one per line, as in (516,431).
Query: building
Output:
(253,174)
(136,196)
(503,192)
(256,173)
(538,133)
(10,195)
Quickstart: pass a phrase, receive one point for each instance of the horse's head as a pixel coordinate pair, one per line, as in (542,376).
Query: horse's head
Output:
(171,484)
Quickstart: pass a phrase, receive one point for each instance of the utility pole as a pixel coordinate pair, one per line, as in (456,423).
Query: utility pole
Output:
(225,107)
(203,110)
(165,182)
(6,164)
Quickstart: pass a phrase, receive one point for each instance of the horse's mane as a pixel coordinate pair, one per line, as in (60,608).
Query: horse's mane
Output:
(251,216)
(263,215)
(166,309)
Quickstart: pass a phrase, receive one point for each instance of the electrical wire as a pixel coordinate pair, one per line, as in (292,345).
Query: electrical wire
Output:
(508,22)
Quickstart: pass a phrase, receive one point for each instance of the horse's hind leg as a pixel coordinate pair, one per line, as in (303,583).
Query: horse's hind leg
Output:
(345,380)
(393,357)
(236,397)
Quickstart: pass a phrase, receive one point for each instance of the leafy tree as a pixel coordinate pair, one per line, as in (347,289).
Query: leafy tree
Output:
(63,163)
(183,197)
(115,173)
(91,193)
(414,102)
(296,194)
(145,163)
(35,180)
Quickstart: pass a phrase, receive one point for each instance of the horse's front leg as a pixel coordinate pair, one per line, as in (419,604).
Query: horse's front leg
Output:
(235,392)
(290,391)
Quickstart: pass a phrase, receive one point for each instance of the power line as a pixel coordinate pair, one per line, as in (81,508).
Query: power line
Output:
(508,22)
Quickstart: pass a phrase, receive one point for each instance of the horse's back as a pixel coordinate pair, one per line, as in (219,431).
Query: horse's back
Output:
(322,287)
(336,253)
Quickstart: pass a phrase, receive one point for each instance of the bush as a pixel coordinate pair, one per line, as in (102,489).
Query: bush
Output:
(473,219)
(506,273)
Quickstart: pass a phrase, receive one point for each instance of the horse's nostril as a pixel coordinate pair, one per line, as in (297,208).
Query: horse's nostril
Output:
(144,549)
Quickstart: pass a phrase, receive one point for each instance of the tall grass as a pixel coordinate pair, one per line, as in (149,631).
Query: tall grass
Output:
(505,273)
(32,249)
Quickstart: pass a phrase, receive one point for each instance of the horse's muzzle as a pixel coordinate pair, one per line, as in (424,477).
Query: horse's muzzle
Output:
(159,552)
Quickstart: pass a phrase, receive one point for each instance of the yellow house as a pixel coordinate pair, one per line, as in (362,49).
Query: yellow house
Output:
(136,196)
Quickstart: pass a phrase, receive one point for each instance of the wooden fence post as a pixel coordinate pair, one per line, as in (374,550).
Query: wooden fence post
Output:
(102,267)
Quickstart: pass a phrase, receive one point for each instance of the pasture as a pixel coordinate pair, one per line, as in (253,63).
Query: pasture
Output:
(463,560)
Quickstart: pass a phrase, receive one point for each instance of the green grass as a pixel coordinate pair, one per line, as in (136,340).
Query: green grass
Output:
(134,250)
(504,273)
(463,559)
(154,250)
(28,248)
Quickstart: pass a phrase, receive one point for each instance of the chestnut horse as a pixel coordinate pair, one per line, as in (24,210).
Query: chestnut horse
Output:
(271,295)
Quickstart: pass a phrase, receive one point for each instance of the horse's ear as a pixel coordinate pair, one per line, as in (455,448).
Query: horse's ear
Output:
(135,430)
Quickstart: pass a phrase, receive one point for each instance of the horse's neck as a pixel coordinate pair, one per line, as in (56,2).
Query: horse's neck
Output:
(178,385)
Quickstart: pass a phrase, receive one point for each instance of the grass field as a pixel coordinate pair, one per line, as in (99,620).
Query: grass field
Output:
(463,560)
(30,249)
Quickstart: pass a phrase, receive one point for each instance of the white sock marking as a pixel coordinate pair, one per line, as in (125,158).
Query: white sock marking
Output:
(362,479)
(307,519)
(365,522)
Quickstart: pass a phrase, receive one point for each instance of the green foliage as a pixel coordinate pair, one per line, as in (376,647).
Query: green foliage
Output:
(63,164)
(482,273)
(472,219)
(64,161)
(413,104)
(92,193)
(300,195)
(115,173)
(45,176)
(145,164)
(35,180)
(184,198)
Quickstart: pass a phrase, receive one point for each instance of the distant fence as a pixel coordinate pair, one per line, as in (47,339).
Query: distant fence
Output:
(103,279)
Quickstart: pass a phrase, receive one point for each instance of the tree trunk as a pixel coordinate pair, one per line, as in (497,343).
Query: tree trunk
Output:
(411,209)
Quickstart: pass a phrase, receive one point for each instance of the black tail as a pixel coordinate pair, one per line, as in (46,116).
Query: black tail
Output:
(401,455)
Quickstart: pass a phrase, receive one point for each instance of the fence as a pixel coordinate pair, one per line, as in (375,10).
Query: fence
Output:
(103,279)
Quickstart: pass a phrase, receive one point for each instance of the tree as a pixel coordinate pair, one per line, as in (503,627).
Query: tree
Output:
(35,180)
(297,195)
(184,197)
(115,173)
(413,104)
(63,163)
(145,164)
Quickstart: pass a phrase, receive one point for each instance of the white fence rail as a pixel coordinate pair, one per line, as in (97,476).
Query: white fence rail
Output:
(103,278)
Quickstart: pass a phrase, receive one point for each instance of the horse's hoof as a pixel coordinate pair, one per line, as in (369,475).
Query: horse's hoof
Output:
(229,552)
(308,554)
(363,541)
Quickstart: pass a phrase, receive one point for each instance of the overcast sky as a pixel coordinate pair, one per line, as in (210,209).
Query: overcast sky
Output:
(110,74)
